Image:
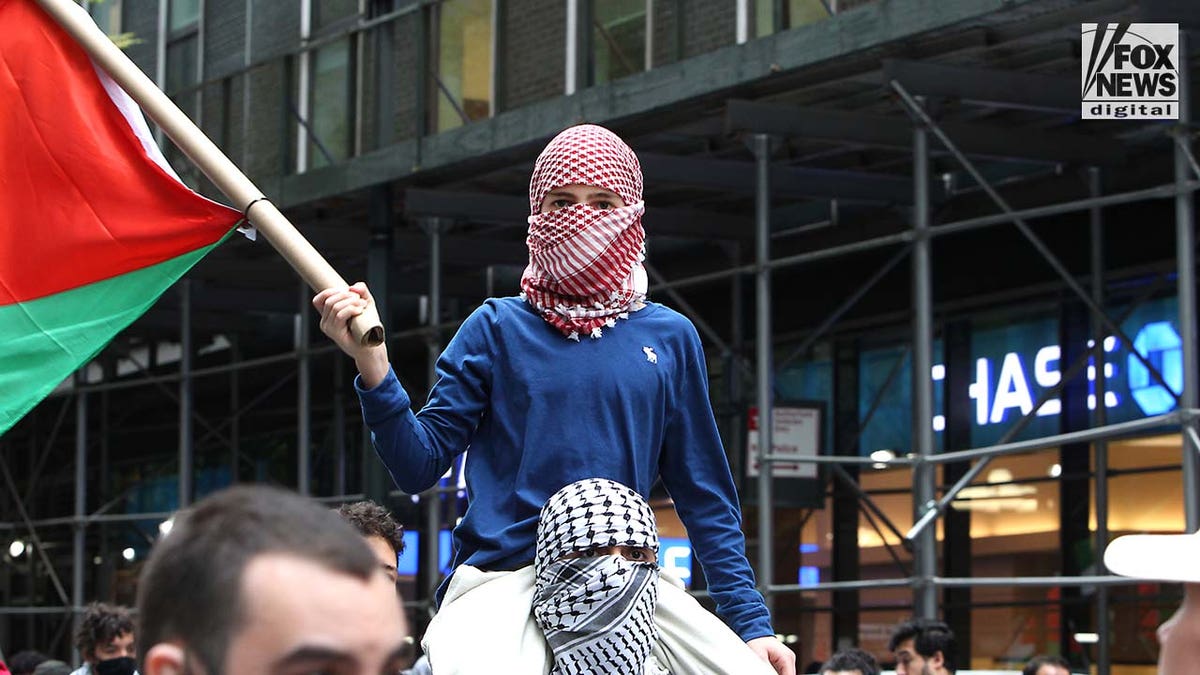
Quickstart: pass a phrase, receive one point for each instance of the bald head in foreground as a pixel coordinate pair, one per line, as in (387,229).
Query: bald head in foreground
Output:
(258,580)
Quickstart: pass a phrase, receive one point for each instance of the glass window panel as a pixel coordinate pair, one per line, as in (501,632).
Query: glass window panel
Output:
(183,14)
(618,39)
(803,12)
(890,426)
(331,103)
(764,17)
(463,88)
(182,63)
(326,12)
(106,14)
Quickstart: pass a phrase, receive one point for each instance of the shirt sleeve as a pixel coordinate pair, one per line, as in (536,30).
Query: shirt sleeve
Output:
(417,449)
(696,472)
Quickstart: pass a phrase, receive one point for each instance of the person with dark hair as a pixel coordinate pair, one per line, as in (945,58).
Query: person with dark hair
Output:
(105,640)
(1047,665)
(255,580)
(383,534)
(851,661)
(923,647)
(23,662)
(581,375)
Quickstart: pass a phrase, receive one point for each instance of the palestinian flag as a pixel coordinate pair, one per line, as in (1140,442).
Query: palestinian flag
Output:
(94,224)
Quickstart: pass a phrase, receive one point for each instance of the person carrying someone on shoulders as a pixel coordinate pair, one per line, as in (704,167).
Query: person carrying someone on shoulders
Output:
(580,376)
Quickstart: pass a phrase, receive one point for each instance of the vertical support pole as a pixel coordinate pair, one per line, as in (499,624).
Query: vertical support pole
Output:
(571,67)
(303,394)
(762,219)
(421,98)
(737,394)
(743,21)
(385,88)
(847,564)
(433,523)
(339,425)
(185,393)
(1099,419)
(235,410)
(1185,246)
(924,477)
(375,481)
(78,527)
(648,47)
(304,62)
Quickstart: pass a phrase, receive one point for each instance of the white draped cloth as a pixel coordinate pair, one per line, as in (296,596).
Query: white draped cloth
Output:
(485,626)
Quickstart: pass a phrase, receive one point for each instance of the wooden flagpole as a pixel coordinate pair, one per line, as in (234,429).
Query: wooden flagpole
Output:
(246,197)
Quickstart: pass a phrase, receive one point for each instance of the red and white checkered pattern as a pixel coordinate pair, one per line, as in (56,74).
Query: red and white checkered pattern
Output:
(585,268)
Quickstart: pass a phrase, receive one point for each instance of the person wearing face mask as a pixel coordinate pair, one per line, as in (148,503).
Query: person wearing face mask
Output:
(596,574)
(579,376)
(105,640)
(594,601)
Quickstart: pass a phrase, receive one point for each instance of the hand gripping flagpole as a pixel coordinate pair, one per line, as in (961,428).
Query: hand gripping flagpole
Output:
(246,197)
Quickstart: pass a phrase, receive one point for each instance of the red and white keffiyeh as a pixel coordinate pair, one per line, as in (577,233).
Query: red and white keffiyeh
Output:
(585,264)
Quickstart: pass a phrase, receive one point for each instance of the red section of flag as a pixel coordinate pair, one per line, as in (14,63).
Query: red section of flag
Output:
(80,200)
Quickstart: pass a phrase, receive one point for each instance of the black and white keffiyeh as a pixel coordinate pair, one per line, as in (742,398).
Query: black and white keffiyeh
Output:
(597,613)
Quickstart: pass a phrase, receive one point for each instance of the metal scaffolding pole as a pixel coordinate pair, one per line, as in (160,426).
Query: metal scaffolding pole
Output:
(339,425)
(924,476)
(1099,391)
(303,393)
(762,218)
(235,410)
(1185,243)
(185,393)
(79,527)
(433,228)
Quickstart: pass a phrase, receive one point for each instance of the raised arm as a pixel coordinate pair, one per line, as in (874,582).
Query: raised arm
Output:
(416,448)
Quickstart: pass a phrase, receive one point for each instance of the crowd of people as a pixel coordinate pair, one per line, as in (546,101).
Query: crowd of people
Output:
(260,580)
(575,397)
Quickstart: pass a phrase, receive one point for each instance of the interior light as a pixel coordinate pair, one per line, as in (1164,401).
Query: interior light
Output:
(999,476)
(1055,470)
(16,548)
(128,554)
(1087,638)
(164,528)
(881,456)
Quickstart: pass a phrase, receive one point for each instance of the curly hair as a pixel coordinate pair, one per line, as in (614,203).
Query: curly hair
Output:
(373,520)
(101,623)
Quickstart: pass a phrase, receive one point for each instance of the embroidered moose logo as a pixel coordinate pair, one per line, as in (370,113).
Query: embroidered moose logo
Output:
(650,355)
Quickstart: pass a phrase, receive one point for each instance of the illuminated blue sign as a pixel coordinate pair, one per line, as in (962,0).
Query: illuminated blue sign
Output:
(1013,364)
(1160,344)
(675,556)
(407,563)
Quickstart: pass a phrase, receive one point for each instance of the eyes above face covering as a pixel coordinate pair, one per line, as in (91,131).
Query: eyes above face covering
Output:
(596,578)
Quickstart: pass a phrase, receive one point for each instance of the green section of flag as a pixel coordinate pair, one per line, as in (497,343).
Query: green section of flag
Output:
(43,341)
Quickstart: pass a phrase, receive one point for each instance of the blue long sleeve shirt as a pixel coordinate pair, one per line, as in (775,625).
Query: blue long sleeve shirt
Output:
(538,412)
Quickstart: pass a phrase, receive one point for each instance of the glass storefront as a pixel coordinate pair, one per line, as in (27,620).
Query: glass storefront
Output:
(1026,515)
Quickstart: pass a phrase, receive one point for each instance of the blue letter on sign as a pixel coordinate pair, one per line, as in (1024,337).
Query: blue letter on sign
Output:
(1160,344)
